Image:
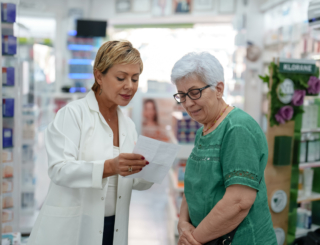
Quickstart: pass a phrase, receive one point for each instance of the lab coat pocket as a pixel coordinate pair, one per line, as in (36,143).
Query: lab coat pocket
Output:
(59,225)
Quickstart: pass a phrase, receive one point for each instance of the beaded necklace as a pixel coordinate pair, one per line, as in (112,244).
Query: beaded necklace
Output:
(216,119)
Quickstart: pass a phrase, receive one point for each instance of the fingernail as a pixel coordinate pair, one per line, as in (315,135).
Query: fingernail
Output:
(147,163)
(140,169)
(142,158)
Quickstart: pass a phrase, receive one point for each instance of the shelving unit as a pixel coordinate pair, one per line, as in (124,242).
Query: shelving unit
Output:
(300,232)
(11,156)
(309,165)
(311,198)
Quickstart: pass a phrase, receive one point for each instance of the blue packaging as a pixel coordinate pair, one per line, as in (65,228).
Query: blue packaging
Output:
(8,76)
(7,137)
(7,107)
(8,12)
(9,45)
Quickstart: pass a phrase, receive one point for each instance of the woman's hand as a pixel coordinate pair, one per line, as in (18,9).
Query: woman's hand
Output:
(124,161)
(185,230)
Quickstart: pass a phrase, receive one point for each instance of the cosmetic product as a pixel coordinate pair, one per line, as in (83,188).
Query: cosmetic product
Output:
(8,12)
(7,107)
(8,76)
(7,137)
(303,148)
(9,45)
(307,181)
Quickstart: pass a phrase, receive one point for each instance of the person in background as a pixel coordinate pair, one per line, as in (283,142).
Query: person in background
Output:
(150,114)
(89,146)
(225,189)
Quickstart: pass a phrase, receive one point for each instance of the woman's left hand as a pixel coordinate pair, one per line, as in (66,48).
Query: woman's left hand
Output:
(186,238)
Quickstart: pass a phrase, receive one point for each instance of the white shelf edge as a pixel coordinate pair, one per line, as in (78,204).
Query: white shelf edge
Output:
(309,165)
(313,197)
(312,130)
(300,232)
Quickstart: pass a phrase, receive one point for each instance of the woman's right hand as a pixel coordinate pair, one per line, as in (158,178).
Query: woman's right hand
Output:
(124,161)
(185,230)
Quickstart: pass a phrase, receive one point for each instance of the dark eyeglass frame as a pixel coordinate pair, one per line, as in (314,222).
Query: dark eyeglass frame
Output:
(187,94)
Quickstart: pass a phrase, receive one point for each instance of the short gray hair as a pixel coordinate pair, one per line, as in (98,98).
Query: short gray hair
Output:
(203,65)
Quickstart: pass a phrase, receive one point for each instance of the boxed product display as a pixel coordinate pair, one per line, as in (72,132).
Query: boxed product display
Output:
(7,228)
(7,107)
(7,186)
(7,137)
(310,147)
(8,12)
(7,215)
(27,200)
(7,170)
(27,153)
(186,129)
(8,76)
(9,45)
(7,201)
(7,155)
(27,177)
(28,129)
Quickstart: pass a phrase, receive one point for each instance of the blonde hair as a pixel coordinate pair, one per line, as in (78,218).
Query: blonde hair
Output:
(112,53)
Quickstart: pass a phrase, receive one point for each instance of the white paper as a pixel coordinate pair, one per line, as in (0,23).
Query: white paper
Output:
(160,155)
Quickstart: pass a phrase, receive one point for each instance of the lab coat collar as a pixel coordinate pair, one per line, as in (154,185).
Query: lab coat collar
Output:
(93,105)
(92,101)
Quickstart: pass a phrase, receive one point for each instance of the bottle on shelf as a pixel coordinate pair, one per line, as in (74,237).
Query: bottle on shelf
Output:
(311,148)
(303,148)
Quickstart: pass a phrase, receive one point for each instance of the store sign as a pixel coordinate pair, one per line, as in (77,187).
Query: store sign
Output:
(285,91)
(298,68)
(279,201)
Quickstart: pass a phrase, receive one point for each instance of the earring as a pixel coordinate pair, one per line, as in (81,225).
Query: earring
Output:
(100,91)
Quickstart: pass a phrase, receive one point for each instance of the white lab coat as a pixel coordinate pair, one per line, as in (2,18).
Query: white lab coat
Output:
(78,142)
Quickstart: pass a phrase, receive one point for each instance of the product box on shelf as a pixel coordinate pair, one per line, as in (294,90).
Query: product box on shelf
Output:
(7,186)
(6,229)
(9,45)
(11,238)
(7,201)
(8,12)
(8,76)
(7,170)
(27,200)
(7,215)
(7,137)
(185,128)
(27,153)
(7,107)
(7,155)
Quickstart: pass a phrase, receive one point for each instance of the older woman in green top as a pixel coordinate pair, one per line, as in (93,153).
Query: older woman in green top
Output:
(224,179)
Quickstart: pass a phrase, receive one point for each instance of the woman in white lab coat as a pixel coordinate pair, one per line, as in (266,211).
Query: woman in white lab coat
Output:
(89,146)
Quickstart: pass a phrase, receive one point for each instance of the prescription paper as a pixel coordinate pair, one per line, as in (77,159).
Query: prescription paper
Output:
(160,155)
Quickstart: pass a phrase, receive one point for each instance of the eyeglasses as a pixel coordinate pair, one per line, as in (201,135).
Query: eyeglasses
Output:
(193,94)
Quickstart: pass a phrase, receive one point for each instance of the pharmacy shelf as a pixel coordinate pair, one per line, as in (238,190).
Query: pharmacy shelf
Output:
(309,165)
(313,197)
(314,130)
(173,214)
(69,96)
(29,141)
(300,232)
(174,182)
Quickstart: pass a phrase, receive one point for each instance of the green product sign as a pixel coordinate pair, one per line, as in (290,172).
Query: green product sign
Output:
(298,68)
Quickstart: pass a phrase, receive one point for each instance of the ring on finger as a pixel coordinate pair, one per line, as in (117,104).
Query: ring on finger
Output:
(129,168)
